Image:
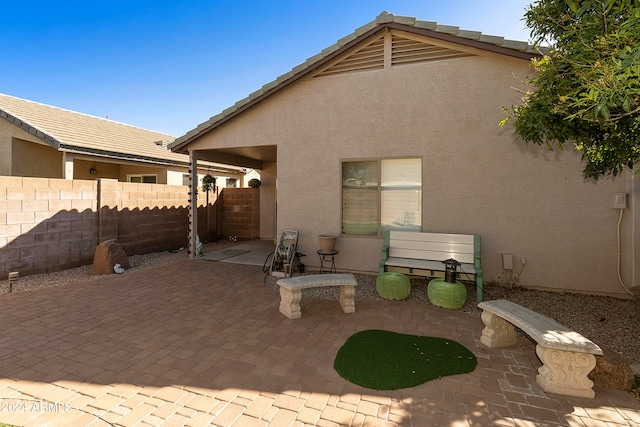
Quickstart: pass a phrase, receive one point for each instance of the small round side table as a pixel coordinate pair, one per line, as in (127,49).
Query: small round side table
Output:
(329,259)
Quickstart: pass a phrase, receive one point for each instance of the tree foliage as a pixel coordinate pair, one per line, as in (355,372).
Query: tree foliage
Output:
(208,183)
(587,90)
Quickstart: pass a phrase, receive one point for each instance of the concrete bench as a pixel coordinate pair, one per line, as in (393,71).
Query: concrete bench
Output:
(567,357)
(421,254)
(291,291)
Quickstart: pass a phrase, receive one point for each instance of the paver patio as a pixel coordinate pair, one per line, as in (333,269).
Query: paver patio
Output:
(200,343)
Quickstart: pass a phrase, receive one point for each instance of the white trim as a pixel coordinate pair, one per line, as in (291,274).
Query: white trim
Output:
(142,176)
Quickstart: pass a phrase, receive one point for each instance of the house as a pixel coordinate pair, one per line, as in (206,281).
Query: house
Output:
(38,140)
(396,127)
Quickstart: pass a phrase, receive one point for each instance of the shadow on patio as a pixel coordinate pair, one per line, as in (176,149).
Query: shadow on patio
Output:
(203,343)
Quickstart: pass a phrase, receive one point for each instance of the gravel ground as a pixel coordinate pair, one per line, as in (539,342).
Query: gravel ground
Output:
(83,273)
(610,322)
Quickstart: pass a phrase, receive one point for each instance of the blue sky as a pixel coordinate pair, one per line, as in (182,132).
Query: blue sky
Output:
(170,65)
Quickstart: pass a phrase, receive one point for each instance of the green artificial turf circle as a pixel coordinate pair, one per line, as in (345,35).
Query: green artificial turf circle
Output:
(385,360)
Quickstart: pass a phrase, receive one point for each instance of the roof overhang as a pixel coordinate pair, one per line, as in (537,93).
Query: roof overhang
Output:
(48,139)
(105,154)
(253,157)
(123,157)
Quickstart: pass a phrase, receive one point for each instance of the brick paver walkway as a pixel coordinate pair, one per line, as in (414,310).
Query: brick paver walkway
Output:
(201,343)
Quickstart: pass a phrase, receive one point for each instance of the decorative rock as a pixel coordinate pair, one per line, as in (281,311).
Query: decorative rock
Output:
(612,371)
(392,285)
(107,255)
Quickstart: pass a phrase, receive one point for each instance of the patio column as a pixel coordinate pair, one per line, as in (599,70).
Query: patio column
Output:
(67,166)
(193,203)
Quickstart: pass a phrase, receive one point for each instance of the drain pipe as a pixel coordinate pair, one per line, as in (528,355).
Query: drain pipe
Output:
(619,257)
(620,203)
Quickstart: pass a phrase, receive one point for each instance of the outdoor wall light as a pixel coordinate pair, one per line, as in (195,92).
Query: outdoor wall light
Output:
(92,171)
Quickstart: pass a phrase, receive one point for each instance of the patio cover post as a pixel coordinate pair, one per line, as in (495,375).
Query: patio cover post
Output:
(193,203)
(67,165)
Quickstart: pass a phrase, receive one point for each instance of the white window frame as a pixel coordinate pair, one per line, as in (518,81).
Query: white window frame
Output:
(142,177)
(368,186)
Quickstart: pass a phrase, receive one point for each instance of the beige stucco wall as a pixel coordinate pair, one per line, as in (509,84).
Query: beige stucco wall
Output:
(477,177)
(82,167)
(35,160)
(268,177)
(5,148)
(22,154)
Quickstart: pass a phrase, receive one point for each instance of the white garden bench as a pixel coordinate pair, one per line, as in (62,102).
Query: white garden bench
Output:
(291,291)
(421,254)
(567,357)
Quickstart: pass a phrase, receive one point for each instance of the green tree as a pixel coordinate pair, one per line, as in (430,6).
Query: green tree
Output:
(587,90)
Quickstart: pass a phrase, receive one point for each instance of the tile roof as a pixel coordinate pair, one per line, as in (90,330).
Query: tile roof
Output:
(75,132)
(429,28)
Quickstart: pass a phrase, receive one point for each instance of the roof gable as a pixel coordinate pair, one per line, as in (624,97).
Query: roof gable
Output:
(394,47)
(370,56)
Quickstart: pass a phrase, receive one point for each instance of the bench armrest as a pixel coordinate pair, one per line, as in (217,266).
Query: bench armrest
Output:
(385,251)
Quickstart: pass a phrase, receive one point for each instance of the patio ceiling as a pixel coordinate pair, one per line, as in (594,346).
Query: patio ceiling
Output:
(253,157)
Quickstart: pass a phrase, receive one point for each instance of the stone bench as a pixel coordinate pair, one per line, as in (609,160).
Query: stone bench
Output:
(567,357)
(291,291)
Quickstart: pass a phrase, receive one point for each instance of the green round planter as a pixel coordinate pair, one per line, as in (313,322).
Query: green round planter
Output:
(392,285)
(446,295)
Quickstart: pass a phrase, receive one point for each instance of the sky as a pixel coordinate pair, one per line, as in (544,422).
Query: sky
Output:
(170,65)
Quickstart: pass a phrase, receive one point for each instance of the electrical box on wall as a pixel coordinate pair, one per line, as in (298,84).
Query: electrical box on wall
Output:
(507,261)
(619,201)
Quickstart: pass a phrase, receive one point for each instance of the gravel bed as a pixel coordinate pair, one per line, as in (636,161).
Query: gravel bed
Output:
(610,322)
(83,273)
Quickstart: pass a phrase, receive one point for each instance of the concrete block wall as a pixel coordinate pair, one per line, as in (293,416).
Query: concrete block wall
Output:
(46,224)
(144,217)
(240,209)
(52,224)
(209,224)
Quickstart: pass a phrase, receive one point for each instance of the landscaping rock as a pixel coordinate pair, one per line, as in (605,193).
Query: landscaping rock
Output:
(107,255)
(612,371)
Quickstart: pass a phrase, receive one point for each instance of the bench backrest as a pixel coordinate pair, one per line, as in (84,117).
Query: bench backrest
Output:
(434,246)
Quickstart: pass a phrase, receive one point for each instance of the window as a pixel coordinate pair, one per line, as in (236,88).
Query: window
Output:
(380,195)
(144,179)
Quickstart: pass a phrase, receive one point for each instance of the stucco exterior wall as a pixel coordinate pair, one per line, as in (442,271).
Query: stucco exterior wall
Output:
(5,149)
(478,178)
(105,170)
(175,177)
(35,160)
(268,195)
(22,154)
